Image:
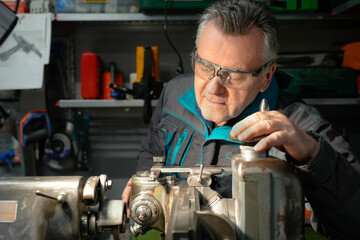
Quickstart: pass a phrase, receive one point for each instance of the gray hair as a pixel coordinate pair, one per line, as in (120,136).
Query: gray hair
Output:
(235,17)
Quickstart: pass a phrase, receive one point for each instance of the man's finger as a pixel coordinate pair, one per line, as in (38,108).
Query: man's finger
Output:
(247,122)
(125,196)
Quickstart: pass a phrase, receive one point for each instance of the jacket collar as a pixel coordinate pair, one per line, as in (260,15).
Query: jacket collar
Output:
(188,100)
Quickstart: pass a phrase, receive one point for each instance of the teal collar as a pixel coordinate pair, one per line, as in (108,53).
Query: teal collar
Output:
(188,100)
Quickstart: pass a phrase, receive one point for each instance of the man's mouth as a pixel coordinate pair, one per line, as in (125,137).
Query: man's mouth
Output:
(215,102)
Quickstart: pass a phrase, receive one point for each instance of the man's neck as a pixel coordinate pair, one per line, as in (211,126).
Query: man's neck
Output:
(219,124)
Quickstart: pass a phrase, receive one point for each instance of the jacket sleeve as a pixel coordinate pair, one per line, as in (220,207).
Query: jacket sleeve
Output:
(332,180)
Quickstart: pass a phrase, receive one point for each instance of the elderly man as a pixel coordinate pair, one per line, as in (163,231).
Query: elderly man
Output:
(234,62)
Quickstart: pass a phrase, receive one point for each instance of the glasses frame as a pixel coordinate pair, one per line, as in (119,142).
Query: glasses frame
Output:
(218,68)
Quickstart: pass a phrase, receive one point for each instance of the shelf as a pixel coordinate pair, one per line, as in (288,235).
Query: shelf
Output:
(140,17)
(125,17)
(99,103)
(332,101)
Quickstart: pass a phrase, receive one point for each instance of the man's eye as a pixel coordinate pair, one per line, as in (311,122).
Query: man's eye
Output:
(207,69)
(237,77)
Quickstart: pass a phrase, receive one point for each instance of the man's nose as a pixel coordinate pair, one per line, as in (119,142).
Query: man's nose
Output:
(216,75)
(214,85)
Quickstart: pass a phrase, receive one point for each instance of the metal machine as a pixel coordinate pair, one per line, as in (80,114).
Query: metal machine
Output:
(39,208)
(267,201)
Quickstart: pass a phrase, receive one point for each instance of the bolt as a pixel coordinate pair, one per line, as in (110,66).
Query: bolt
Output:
(143,216)
(109,184)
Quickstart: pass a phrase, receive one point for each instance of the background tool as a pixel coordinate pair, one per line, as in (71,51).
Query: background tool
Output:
(90,76)
(57,152)
(21,44)
(10,150)
(148,84)
(7,157)
(34,126)
(115,78)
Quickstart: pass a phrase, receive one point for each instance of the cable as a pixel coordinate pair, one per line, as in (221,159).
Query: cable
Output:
(16,6)
(180,68)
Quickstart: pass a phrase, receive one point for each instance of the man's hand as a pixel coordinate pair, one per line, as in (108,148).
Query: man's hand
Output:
(280,132)
(126,196)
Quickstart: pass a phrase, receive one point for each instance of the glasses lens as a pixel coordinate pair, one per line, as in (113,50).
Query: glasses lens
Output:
(232,78)
(202,69)
(207,71)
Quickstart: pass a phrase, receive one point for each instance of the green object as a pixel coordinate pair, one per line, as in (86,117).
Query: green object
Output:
(310,234)
(322,82)
(150,235)
(291,5)
(173,5)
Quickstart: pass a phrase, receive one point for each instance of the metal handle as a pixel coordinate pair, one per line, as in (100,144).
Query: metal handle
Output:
(61,198)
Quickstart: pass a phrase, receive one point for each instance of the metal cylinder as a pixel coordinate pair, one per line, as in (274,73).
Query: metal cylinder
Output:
(268,197)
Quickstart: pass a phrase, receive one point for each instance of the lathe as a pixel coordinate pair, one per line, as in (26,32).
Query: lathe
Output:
(58,208)
(267,203)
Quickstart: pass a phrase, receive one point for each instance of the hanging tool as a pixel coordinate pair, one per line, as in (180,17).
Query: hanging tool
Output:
(111,79)
(21,44)
(7,157)
(34,126)
(148,84)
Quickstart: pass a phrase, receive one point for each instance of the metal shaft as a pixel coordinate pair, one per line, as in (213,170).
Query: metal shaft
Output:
(264,105)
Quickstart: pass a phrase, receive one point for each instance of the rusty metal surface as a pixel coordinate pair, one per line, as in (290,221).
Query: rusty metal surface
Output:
(269,198)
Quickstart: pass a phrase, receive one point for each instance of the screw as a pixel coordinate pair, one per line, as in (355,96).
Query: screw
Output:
(109,184)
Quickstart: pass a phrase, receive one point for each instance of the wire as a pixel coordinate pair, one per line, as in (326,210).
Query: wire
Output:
(16,6)
(180,67)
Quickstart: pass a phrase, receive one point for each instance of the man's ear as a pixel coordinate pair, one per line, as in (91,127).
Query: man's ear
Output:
(267,77)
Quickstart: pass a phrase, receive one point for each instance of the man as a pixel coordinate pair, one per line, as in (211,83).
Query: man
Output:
(235,68)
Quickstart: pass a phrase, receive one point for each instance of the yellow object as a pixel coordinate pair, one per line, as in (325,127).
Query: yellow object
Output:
(140,54)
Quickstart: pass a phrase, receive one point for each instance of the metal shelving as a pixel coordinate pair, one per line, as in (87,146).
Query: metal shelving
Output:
(100,103)
(141,17)
(120,17)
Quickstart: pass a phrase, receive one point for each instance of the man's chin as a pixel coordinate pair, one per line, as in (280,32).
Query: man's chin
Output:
(215,117)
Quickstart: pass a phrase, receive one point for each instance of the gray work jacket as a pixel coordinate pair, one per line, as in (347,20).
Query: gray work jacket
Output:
(331,183)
